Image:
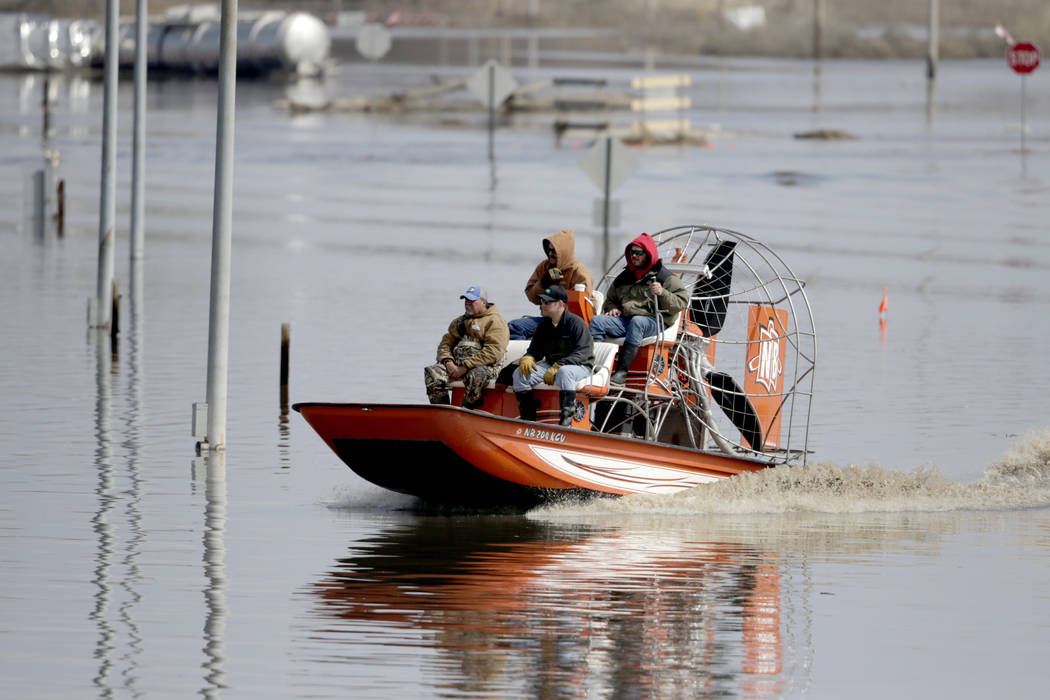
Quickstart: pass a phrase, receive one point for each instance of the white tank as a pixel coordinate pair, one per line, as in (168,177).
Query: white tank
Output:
(36,42)
(268,42)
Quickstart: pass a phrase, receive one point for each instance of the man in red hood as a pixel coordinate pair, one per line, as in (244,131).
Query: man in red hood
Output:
(642,301)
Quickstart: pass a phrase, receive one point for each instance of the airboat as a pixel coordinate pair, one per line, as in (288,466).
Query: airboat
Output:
(725,389)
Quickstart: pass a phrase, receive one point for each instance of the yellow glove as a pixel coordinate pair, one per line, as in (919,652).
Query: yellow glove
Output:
(527,365)
(548,378)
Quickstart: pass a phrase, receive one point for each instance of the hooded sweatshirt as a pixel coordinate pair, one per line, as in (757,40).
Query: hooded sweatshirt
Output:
(572,270)
(630,293)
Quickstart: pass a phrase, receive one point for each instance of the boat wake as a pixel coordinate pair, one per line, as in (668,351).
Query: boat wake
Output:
(1020,479)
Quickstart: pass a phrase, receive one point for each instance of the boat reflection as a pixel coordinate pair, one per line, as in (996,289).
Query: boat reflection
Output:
(545,610)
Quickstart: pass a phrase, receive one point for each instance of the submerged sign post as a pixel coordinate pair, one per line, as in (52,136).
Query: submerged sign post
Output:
(608,164)
(1023,57)
(491,85)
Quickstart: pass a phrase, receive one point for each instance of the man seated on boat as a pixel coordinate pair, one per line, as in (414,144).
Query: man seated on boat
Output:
(559,267)
(641,302)
(470,350)
(561,353)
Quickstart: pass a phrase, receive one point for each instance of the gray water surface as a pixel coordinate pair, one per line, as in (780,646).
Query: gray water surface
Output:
(910,559)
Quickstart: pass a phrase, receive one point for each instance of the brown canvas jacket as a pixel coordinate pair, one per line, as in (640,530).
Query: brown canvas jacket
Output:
(489,329)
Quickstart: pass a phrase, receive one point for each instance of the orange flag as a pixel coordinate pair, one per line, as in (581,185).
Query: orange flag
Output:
(883,304)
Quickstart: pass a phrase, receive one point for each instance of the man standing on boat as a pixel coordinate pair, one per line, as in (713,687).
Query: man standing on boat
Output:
(642,301)
(560,267)
(561,353)
(470,350)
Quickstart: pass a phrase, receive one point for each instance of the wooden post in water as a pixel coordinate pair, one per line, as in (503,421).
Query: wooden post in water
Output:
(932,47)
(47,107)
(114,323)
(286,336)
(60,208)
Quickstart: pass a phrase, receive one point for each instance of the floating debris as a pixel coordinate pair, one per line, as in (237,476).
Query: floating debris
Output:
(450,96)
(826,135)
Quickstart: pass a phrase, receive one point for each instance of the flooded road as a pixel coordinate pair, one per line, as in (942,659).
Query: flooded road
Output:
(910,560)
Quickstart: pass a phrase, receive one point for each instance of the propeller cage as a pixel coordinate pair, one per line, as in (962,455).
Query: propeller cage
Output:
(738,378)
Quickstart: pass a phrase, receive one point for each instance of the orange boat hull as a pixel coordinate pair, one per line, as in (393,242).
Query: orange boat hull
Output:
(452,455)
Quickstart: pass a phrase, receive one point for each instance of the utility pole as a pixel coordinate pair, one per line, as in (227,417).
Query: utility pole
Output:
(100,307)
(222,232)
(138,161)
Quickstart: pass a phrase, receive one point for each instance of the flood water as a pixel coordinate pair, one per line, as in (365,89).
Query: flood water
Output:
(910,558)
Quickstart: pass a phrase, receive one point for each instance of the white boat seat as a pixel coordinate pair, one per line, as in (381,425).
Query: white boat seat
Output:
(595,385)
(669,335)
(598,383)
(515,350)
(598,300)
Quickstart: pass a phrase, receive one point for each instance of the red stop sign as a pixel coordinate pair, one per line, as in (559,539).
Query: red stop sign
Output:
(1023,57)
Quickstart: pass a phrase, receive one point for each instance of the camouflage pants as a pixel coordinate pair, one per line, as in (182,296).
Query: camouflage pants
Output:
(436,376)
(474,381)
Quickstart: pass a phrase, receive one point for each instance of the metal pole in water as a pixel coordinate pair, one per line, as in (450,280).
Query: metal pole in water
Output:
(605,204)
(100,315)
(138,161)
(818,28)
(933,46)
(492,109)
(1024,126)
(221,237)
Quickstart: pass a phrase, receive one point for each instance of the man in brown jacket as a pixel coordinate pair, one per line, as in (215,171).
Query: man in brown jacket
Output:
(470,350)
(560,267)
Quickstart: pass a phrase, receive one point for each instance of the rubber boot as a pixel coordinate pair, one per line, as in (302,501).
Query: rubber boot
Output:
(442,400)
(526,404)
(627,355)
(568,407)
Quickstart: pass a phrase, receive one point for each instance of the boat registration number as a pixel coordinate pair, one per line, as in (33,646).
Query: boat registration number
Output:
(548,435)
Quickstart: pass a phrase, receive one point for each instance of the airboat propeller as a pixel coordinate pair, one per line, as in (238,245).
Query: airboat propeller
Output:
(710,302)
(743,297)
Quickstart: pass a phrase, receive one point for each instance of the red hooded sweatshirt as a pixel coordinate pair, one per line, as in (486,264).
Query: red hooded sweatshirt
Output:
(646,242)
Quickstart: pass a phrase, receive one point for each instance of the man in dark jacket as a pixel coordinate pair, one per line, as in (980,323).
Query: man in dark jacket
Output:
(561,353)
(642,301)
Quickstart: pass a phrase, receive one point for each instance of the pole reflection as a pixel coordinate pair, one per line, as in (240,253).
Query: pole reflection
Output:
(818,87)
(550,611)
(107,498)
(118,521)
(133,494)
(213,465)
(931,102)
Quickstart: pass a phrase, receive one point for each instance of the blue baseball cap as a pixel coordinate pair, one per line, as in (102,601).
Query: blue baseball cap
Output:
(474,292)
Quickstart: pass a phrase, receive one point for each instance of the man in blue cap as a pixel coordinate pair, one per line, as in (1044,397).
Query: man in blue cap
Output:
(561,353)
(470,350)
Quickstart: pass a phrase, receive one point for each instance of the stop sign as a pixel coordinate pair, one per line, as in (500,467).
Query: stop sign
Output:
(1023,57)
